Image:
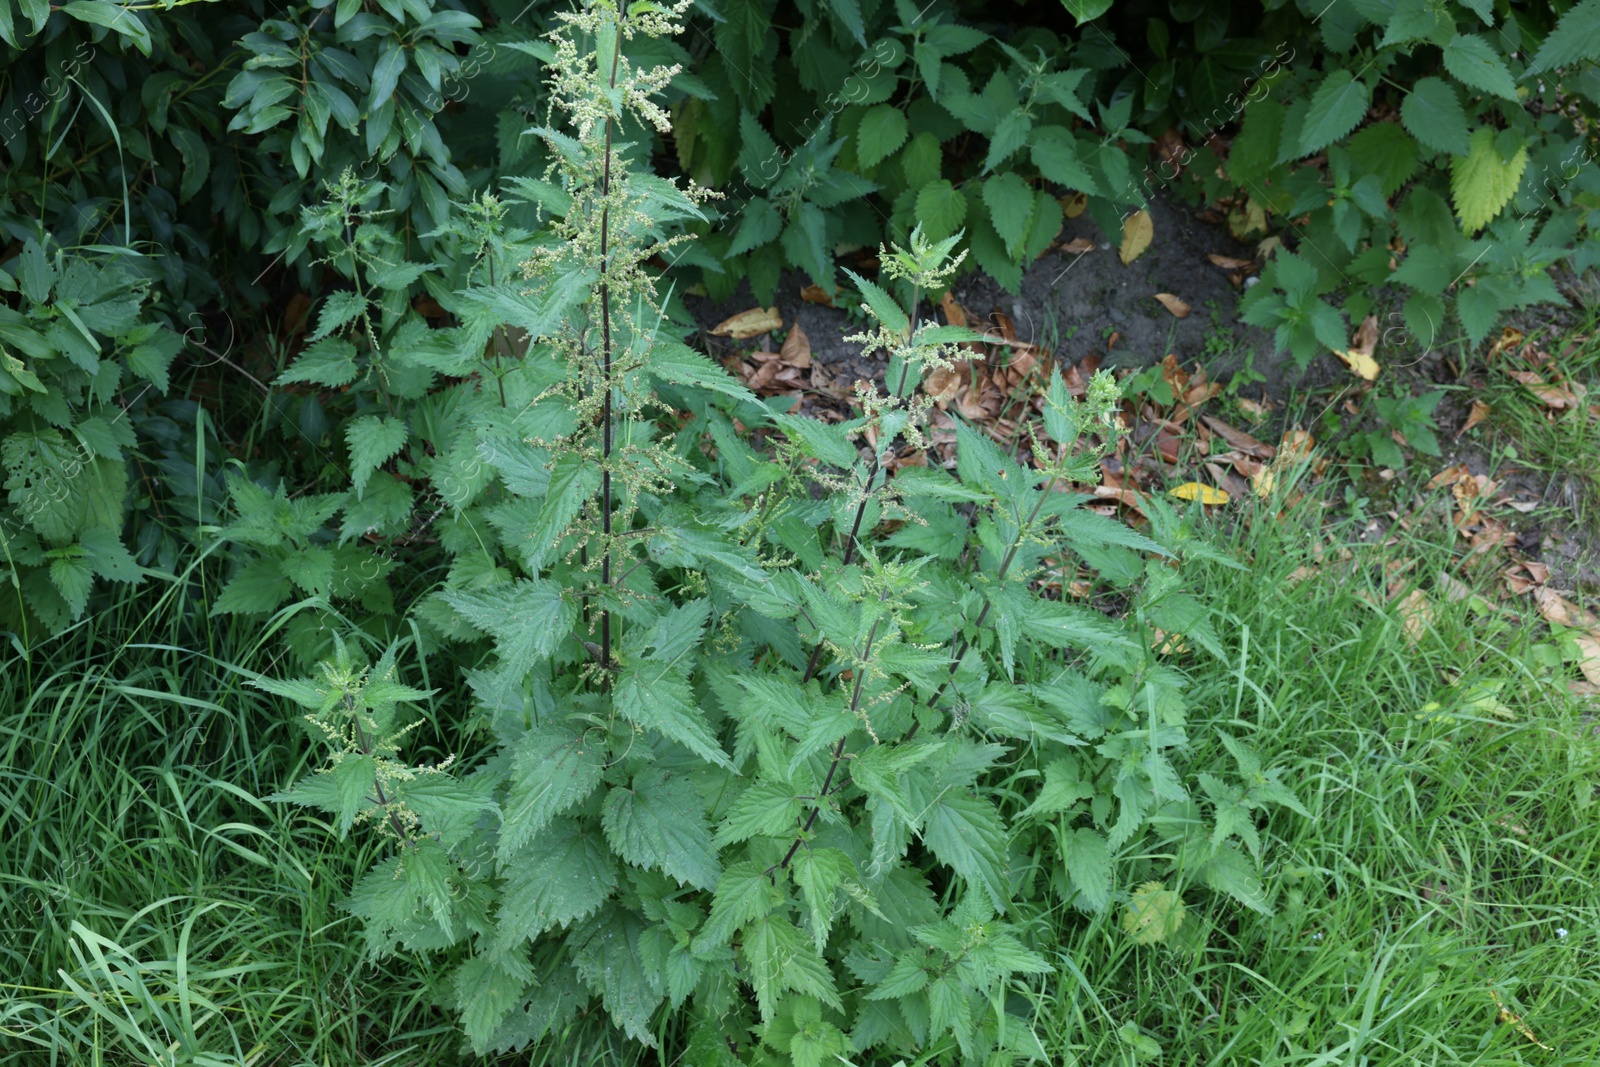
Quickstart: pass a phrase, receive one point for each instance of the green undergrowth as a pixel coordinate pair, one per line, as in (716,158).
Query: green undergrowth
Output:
(154,911)
(1449,859)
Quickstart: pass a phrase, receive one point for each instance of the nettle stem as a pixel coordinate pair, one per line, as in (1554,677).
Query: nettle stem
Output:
(838,755)
(606,354)
(867,494)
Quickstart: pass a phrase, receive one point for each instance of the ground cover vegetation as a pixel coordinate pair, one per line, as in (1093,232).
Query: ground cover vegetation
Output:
(417,651)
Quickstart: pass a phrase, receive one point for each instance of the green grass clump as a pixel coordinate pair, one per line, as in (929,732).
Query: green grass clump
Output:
(1450,857)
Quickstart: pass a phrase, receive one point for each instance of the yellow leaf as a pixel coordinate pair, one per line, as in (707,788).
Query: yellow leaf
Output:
(1589,656)
(1196,491)
(1137,231)
(750,323)
(1154,914)
(1179,309)
(1361,364)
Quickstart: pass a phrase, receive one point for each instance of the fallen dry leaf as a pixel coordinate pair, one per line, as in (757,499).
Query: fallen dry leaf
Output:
(1551,394)
(749,324)
(1179,309)
(1361,365)
(1239,439)
(1137,232)
(943,383)
(1365,339)
(1165,644)
(1232,262)
(1254,410)
(1078,246)
(1509,338)
(1588,656)
(796,350)
(1563,612)
(1415,615)
(1073,204)
(954,313)
(1479,412)
(816,294)
(1199,491)
(1507,1016)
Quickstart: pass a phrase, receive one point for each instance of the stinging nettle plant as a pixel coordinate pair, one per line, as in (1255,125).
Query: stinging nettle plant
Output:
(776,723)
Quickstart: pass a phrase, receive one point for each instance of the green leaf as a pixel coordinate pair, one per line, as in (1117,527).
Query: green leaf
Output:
(779,959)
(1576,37)
(552,769)
(527,619)
(152,359)
(1086,10)
(428,872)
(373,440)
(760,223)
(1473,62)
(1088,863)
(765,809)
(922,160)
(338,310)
(1230,871)
(821,873)
(1010,134)
(329,362)
(682,365)
(1385,151)
(610,962)
(660,824)
(1481,182)
(72,577)
(882,306)
(1432,113)
(566,876)
(1339,103)
(257,588)
(1010,203)
(744,893)
(966,834)
(659,699)
(883,130)
(941,208)
(112,16)
(108,556)
(1055,153)
(353,777)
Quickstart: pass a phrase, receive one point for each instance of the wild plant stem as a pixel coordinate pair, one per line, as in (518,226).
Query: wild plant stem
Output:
(876,467)
(1000,575)
(838,752)
(605,330)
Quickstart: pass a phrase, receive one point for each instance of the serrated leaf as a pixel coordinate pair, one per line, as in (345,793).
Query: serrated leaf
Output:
(1010,203)
(1474,62)
(1576,37)
(340,309)
(567,876)
(966,834)
(1230,871)
(552,769)
(257,588)
(779,959)
(527,619)
(681,365)
(941,208)
(372,440)
(1088,863)
(1339,103)
(611,963)
(659,823)
(882,131)
(1154,914)
(1433,114)
(659,699)
(765,809)
(330,362)
(1481,182)
(744,893)
(73,578)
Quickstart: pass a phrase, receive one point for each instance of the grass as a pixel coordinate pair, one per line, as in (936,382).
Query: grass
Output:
(1562,443)
(1441,864)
